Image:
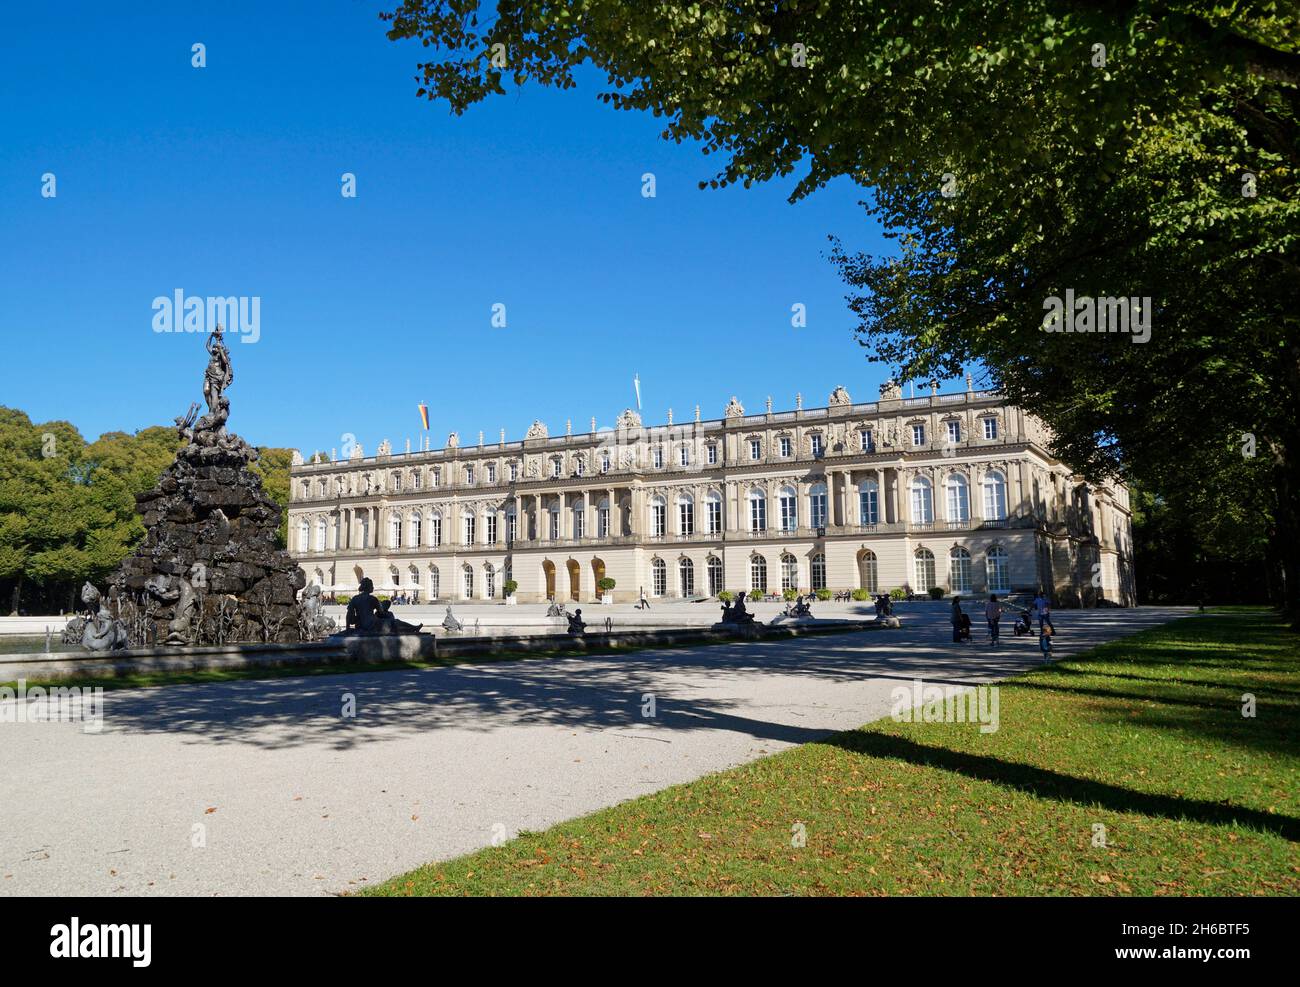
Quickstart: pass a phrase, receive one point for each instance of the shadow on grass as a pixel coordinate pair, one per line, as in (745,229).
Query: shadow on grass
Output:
(1043,783)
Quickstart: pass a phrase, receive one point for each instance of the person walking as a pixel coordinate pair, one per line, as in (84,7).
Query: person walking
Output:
(644,604)
(993,614)
(956,620)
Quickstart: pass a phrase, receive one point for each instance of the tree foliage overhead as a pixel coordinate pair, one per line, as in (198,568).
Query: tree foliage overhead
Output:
(1014,151)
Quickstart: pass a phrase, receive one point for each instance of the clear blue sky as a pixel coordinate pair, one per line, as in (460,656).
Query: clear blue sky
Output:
(226,181)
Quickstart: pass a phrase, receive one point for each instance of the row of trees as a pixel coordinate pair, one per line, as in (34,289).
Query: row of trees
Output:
(67,506)
(1017,153)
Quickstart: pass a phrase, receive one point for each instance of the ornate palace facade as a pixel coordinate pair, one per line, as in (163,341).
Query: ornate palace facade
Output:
(952,490)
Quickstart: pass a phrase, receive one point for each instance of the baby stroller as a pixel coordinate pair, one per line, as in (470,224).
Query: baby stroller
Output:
(963,629)
(1023,626)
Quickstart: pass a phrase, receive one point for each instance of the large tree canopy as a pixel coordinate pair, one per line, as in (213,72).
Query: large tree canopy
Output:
(1017,152)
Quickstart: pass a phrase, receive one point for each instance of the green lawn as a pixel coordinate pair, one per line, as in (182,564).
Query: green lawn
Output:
(1144,736)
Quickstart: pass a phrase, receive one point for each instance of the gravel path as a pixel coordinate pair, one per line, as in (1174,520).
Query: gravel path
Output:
(264,787)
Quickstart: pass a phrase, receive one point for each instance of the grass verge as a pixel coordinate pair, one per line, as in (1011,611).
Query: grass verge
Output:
(1144,737)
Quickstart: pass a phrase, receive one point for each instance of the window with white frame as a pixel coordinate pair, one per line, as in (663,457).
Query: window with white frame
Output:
(924,568)
(918,435)
(954,431)
(713,513)
(817,571)
(787,505)
(686,577)
(658,518)
(512,526)
(658,457)
(554,522)
(818,446)
(758,573)
(999,572)
(817,506)
(958,498)
(714,569)
(491,472)
(990,428)
(658,577)
(489,580)
(784,442)
(395,531)
(467,529)
(397,482)
(468,573)
(995,496)
(433,582)
(922,501)
(959,570)
(490,529)
(417,529)
(417,479)
(757,510)
(686,515)
(602,519)
(320,534)
(557,466)
(711,453)
(514,472)
(435,530)
(579,466)
(579,521)
(755,449)
(437,476)
(868,502)
(866,441)
(604,462)
(789,572)
(867,571)
(304,535)
(684,455)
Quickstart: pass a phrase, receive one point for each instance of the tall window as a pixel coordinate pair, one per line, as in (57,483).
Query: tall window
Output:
(868,502)
(924,564)
(602,519)
(489,580)
(556,466)
(686,577)
(604,462)
(514,472)
(755,449)
(789,572)
(787,504)
(365,531)
(659,457)
(395,531)
(304,535)
(417,530)
(554,522)
(435,530)
(918,435)
(757,510)
(436,479)
(491,521)
(865,441)
(320,534)
(397,483)
(579,521)
(467,529)
(954,432)
(417,479)
(685,455)
(922,501)
(658,518)
(999,571)
(491,472)
(711,453)
(714,569)
(469,476)
(468,574)
(959,570)
(785,447)
(990,428)
(817,506)
(995,496)
(817,569)
(686,516)
(958,498)
(658,577)
(867,571)
(713,513)
(818,446)
(433,582)
(758,573)
(512,526)
(579,466)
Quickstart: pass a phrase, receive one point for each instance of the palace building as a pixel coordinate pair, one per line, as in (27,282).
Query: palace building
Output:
(952,490)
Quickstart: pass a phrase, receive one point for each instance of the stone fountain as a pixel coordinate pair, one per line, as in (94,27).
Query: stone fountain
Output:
(209,570)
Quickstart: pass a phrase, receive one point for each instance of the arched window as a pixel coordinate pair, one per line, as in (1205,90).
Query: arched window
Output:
(467,572)
(959,570)
(999,572)
(320,534)
(395,530)
(818,570)
(958,498)
(417,529)
(658,577)
(713,512)
(468,524)
(435,529)
(789,511)
(789,571)
(686,514)
(817,517)
(757,510)
(868,502)
(758,573)
(924,570)
(579,466)
(714,569)
(922,501)
(995,496)
(489,580)
(394,576)
(867,571)
(658,517)
(304,535)
(686,577)
(433,582)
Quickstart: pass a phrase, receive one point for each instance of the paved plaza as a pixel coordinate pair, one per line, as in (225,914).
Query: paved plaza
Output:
(288,796)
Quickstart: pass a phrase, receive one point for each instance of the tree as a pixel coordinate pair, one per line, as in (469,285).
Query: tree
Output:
(1130,149)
